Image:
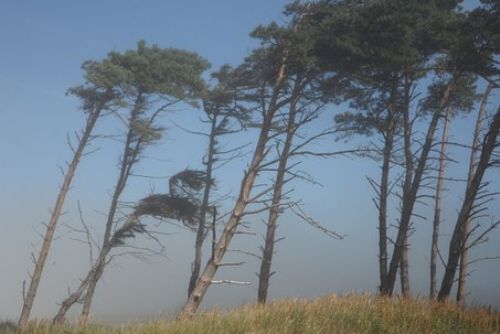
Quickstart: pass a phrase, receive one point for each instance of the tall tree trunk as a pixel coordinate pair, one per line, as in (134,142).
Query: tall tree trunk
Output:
(411,190)
(56,213)
(388,135)
(409,167)
(458,238)
(476,143)
(382,214)
(247,183)
(89,284)
(437,205)
(200,233)
(268,250)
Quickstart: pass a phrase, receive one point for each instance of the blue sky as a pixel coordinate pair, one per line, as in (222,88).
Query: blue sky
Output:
(43,46)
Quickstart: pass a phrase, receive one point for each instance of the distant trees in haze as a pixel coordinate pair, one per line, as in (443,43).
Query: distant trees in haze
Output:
(399,67)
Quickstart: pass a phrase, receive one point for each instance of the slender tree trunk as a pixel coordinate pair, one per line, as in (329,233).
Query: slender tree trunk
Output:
(388,135)
(410,193)
(437,205)
(56,213)
(268,250)
(476,143)
(200,233)
(211,267)
(95,276)
(89,284)
(409,166)
(382,214)
(458,238)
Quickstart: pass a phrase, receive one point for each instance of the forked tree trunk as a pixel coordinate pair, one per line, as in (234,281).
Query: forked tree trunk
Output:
(476,143)
(200,233)
(71,300)
(247,183)
(437,204)
(56,213)
(268,250)
(410,192)
(458,238)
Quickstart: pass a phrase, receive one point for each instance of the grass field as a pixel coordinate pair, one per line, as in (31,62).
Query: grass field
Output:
(329,314)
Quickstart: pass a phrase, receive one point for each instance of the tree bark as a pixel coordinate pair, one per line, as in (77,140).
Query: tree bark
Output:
(56,212)
(200,233)
(476,143)
(211,267)
(404,270)
(437,204)
(458,238)
(268,250)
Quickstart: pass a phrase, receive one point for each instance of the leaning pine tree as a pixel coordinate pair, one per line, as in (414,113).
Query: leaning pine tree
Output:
(225,116)
(266,75)
(98,95)
(153,79)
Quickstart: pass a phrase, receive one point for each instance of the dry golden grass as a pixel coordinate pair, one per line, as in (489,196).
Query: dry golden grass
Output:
(329,314)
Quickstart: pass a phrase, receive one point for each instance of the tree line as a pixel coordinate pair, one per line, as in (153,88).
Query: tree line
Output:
(396,65)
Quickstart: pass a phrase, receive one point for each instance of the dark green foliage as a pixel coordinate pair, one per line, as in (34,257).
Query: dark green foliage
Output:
(357,123)
(154,70)
(224,98)
(182,203)
(127,231)
(143,129)
(381,37)
(461,100)
(189,184)
(168,206)
(476,41)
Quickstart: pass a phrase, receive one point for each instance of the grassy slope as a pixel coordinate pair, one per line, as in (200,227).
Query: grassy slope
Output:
(330,314)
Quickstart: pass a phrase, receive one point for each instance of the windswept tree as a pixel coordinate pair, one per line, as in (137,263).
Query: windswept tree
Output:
(307,103)
(375,113)
(475,150)
(152,80)
(481,39)
(461,101)
(390,46)
(470,205)
(225,116)
(98,97)
(267,85)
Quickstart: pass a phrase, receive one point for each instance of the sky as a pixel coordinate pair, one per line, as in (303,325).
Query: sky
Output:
(43,46)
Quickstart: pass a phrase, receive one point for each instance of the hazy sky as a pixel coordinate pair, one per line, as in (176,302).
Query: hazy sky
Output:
(43,45)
